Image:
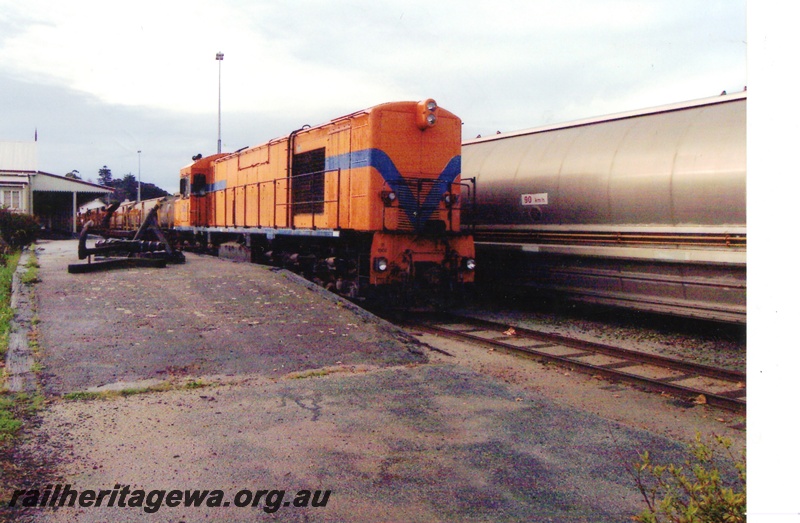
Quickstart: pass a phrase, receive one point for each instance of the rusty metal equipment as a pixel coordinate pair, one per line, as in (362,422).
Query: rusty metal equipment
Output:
(121,253)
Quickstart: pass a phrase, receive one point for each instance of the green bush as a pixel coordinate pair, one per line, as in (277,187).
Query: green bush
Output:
(16,229)
(696,492)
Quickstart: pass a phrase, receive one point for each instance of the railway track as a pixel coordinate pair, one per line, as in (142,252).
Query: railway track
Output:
(699,383)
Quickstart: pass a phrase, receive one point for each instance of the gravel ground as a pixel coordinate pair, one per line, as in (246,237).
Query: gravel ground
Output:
(706,343)
(431,443)
(303,391)
(676,419)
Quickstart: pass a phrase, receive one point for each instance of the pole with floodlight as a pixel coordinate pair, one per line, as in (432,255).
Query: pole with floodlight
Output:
(139,179)
(219,105)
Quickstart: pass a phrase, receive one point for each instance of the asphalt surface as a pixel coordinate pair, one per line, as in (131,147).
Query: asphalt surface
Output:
(301,391)
(205,316)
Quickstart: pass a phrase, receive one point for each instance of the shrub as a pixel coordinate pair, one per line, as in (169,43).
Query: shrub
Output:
(696,492)
(17,229)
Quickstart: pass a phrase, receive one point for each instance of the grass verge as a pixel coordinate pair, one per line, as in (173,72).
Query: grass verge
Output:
(8,264)
(9,411)
(14,407)
(111,394)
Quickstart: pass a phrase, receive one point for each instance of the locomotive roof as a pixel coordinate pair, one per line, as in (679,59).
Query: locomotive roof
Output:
(323,124)
(724,98)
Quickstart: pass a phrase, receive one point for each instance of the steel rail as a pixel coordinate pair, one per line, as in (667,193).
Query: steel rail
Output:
(668,375)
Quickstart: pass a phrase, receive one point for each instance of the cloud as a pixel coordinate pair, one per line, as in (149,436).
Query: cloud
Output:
(142,76)
(81,132)
(322,53)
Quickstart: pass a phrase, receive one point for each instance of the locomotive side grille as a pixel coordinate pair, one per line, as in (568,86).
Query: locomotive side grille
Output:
(308,181)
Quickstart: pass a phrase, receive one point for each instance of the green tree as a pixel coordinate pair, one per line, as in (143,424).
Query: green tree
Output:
(104,176)
(150,190)
(128,186)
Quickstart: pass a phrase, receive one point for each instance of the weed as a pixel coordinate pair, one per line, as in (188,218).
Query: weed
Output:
(13,407)
(132,391)
(31,274)
(695,492)
(82,395)
(317,373)
(33,339)
(9,422)
(36,402)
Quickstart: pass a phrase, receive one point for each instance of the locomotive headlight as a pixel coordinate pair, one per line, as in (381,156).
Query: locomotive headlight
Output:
(468,264)
(388,197)
(449,199)
(380,264)
(426,114)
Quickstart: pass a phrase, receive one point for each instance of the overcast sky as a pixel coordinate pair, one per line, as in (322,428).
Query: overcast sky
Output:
(100,81)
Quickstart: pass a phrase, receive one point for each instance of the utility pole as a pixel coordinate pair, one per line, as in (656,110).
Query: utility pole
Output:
(220,56)
(139,182)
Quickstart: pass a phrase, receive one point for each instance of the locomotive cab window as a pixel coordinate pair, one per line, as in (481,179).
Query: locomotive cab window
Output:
(308,181)
(199,184)
(184,187)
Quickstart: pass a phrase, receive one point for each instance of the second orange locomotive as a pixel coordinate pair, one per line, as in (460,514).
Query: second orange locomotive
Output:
(369,200)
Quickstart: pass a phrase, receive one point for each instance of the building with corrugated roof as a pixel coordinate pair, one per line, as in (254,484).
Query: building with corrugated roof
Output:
(53,199)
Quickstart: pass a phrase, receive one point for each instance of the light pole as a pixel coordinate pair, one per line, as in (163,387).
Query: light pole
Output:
(139,183)
(220,56)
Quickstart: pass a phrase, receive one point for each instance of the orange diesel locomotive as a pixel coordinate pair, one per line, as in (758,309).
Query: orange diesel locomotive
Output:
(367,201)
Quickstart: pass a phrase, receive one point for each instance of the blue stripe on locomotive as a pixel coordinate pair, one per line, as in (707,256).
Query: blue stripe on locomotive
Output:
(217,186)
(387,169)
(385,166)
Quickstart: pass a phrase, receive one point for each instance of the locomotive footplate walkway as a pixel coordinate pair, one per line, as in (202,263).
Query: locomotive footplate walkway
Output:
(238,378)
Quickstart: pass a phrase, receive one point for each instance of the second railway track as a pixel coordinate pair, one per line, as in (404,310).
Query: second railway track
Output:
(715,386)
